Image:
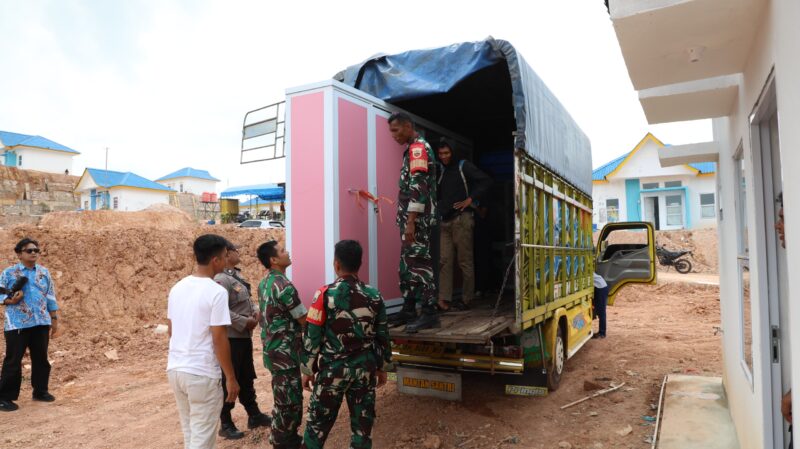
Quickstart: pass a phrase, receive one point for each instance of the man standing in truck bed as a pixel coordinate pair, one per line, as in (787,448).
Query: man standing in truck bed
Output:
(416,217)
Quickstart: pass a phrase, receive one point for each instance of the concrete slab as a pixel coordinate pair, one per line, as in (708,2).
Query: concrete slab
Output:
(696,415)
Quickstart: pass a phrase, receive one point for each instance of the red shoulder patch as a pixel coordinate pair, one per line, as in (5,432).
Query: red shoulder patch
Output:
(418,158)
(316,313)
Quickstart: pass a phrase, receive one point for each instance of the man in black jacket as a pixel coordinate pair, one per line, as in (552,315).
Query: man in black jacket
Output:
(461,186)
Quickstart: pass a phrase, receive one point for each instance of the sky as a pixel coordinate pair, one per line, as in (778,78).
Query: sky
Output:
(165,84)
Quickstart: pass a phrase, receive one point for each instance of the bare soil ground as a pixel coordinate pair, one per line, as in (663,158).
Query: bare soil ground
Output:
(112,285)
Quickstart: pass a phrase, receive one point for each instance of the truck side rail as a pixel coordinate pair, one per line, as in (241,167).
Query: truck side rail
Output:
(554,242)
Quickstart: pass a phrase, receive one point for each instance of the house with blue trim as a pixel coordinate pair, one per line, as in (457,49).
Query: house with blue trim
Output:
(635,187)
(35,153)
(190,180)
(122,191)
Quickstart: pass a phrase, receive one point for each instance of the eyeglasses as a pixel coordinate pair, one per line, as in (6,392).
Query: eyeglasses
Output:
(31,250)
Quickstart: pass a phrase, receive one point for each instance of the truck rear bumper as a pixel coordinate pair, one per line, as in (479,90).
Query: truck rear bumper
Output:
(461,362)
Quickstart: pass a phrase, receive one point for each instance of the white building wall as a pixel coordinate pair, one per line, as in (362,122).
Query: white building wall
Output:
(785,15)
(752,403)
(137,199)
(602,192)
(698,185)
(190,185)
(44,160)
(695,186)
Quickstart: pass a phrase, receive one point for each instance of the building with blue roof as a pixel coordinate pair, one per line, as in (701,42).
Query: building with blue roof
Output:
(123,191)
(634,187)
(35,153)
(190,180)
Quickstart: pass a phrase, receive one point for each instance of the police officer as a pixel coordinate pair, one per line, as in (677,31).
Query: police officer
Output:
(416,218)
(283,316)
(346,343)
(244,317)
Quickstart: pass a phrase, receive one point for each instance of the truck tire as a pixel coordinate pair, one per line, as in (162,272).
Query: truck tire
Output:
(556,368)
(683,266)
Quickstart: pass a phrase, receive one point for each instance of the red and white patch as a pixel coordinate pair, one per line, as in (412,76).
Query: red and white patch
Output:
(316,314)
(418,158)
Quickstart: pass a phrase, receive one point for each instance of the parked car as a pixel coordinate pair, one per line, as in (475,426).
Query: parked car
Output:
(261,224)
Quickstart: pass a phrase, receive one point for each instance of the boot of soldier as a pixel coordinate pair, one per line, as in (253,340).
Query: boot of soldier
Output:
(229,431)
(428,320)
(408,313)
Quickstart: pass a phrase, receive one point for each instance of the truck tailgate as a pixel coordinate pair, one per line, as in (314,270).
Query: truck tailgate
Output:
(476,326)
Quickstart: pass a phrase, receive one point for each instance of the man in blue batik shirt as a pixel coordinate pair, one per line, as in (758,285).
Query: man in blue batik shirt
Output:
(30,317)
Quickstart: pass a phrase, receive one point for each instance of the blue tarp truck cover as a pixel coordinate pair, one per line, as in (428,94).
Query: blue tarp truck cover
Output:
(542,126)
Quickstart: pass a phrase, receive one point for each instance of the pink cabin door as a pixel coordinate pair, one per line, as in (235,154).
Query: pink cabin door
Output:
(353,175)
(388,159)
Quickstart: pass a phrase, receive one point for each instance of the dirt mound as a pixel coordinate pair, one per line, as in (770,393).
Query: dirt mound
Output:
(110,281)
(702,243)
(161,216)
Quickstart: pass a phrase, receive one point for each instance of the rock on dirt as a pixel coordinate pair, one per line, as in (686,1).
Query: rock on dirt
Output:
(591,386)
(432,442)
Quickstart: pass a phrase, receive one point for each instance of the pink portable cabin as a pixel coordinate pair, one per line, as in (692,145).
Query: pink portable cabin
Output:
(338,152)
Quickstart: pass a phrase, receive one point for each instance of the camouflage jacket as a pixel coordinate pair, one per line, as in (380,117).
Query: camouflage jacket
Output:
(417,184)
(281,333)
(346,328)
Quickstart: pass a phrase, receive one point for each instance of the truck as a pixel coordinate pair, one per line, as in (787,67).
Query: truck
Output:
(342,168)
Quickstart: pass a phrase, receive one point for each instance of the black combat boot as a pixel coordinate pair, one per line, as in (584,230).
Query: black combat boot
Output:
(428,320)
(408,313)
(229,431)
(258,420)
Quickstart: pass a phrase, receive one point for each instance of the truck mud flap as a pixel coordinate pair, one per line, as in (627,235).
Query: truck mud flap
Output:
(437,384)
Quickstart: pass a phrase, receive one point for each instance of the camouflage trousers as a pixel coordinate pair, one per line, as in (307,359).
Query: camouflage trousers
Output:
(357,387)
(287,413)
(416,268)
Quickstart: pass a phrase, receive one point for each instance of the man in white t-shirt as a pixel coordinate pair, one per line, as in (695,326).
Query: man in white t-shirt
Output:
(198,345)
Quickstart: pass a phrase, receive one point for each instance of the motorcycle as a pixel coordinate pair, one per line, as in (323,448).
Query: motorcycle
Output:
(674,259)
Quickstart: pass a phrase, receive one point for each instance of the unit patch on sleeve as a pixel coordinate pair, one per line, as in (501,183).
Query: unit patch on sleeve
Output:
(418,158)
(316,314)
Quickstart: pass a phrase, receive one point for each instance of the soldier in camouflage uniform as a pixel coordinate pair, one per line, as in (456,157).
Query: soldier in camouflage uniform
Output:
(346,343)
(416,218)
(283,316)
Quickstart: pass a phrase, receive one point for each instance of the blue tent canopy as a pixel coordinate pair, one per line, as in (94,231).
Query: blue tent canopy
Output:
(268,192)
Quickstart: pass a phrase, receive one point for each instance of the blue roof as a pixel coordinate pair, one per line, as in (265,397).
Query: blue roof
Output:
(705,167)
(110,178)
(188,172)
(10,139)
(600,173)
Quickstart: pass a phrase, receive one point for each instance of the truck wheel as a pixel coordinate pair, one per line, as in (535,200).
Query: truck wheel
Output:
(683,266)
(556,368)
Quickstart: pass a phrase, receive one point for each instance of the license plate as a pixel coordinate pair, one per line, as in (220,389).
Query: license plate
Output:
(436,384)
(525,390)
